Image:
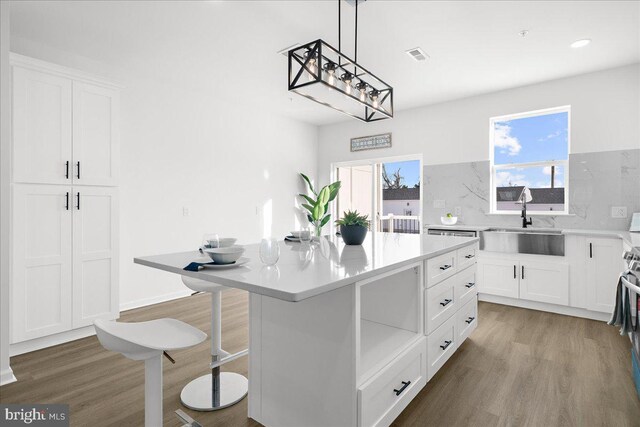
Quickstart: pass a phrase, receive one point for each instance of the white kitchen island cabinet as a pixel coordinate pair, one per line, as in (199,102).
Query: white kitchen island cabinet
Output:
(338,333)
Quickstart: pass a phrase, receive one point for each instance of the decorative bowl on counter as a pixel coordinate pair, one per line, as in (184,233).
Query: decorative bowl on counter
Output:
(226,255)
(448,220)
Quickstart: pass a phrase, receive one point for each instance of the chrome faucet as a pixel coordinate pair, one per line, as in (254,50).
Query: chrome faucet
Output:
(524,198)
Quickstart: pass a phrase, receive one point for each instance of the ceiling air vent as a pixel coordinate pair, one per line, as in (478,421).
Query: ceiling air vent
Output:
(417,54)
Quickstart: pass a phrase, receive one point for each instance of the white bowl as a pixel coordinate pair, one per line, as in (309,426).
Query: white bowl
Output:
(448,220)
(224,242)
(226,255)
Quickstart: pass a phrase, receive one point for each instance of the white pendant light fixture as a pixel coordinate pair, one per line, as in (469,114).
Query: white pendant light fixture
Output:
(353,90)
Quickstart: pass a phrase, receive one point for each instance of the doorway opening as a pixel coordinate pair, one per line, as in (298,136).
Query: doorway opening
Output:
(388,190)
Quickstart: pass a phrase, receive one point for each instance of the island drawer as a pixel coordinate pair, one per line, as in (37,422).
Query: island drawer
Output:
(383,397)
(441,344)
(440,303)
(467,318)
(440,268)
(466,256)
(465,287)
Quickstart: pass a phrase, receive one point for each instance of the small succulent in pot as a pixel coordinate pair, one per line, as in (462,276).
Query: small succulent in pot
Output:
(353,227)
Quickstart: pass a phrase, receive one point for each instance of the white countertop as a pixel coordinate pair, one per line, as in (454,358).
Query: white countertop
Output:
(322,267)
(631,238)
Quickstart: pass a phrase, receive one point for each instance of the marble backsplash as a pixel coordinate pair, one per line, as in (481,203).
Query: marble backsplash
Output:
(597,181)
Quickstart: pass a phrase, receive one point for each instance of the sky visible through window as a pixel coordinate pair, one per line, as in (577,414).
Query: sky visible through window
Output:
(409,170)
(531,139)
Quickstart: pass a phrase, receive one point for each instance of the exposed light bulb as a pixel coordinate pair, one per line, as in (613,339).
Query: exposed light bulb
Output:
(330,68)
(362,87)
(312,68)
(374,95)
(347,78)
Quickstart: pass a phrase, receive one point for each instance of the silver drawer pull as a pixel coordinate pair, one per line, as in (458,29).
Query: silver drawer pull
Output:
(445,267)
(445,302)
(469,285)
(469,256)
(446,344)
(469,320)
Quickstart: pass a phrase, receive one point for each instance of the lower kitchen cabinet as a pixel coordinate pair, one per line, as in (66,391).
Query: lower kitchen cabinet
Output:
(544,282)
(603,265)
(498,276)
(65,258)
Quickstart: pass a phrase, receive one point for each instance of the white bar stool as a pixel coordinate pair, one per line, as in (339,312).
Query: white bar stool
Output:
(148,341)
(216,390)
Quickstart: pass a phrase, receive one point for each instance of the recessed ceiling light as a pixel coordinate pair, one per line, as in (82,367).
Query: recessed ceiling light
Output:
(523,33)
(417,54)
(580,43)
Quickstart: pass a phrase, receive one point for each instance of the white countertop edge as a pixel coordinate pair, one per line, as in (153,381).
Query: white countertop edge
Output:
(629,237)
(299,296)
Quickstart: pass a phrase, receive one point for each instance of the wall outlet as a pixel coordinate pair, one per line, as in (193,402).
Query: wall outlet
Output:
(186,211)
(618,212)
(457,211)
(440,204)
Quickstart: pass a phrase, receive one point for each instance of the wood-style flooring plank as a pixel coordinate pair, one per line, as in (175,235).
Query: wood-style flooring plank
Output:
(519,368)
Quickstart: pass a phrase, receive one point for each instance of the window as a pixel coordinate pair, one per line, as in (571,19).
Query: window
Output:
(530,150)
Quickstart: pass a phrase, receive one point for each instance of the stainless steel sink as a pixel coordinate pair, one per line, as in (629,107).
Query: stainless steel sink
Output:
(537,242)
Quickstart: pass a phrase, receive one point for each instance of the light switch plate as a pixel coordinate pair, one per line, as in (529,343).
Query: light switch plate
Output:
(618,212)
(439,204)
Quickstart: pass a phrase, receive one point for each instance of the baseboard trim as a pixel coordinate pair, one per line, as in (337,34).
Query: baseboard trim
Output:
(87,331)
(7,377)
(155,300)
(541,306)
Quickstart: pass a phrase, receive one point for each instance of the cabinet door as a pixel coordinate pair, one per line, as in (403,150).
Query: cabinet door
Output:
(544,282)
(498,277)
(603,268)
(95,139)
(95,255)
(41,127)
(41,285)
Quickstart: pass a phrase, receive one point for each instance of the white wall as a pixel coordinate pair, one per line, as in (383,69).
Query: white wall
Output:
(6,375)
(605,110)
(232,166)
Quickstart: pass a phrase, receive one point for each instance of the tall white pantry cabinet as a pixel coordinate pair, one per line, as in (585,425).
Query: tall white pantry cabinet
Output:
(64,201)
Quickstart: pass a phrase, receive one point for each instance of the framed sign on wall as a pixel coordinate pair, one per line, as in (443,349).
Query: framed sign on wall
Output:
(371,142)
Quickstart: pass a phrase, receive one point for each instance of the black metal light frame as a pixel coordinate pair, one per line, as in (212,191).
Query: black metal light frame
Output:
(310,59)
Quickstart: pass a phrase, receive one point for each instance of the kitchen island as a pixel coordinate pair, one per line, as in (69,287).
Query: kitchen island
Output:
(348,335)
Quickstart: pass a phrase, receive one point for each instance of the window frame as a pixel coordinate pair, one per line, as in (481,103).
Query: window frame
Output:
(493,208)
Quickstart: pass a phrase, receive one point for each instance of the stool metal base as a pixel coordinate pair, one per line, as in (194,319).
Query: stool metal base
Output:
(199,395)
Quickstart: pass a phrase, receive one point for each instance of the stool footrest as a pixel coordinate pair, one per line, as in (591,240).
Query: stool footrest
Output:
(229,358)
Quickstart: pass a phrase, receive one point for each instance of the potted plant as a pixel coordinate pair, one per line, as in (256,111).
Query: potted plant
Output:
(318,207)
(353,227)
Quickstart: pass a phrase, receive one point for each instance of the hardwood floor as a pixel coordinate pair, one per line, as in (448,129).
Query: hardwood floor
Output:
(519,368)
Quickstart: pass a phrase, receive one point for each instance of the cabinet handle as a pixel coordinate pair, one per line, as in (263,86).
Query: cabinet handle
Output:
(469,285)
(66,204)
(469,256)
(445,267)
(522,276)
(445,302)
(405,384)
(515,272)
(446,344)
(78,198)
(78,175)
(469,320)
(66,174)
(590,250)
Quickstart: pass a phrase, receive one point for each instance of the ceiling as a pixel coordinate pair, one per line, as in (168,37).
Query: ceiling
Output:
(229,47)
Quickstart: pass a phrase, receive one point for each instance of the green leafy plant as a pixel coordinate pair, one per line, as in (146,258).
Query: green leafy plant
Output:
(449,215)
(353,218)
(318,207)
